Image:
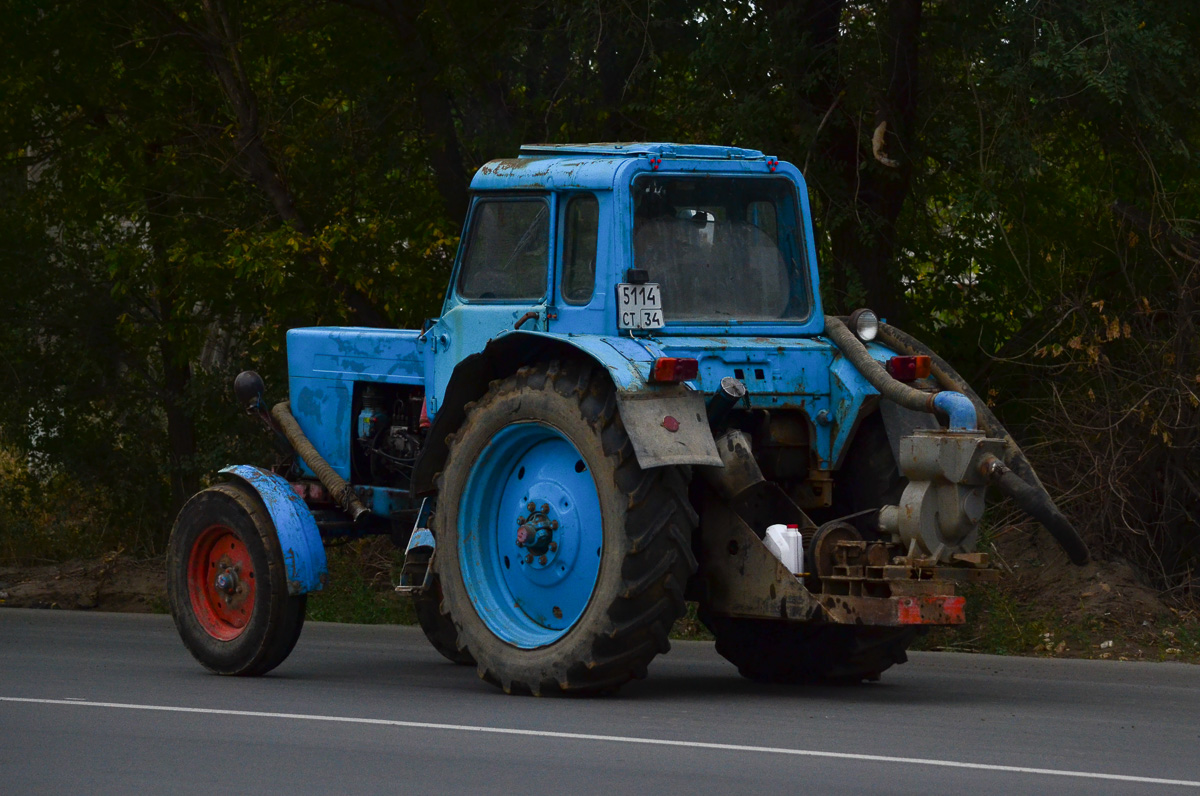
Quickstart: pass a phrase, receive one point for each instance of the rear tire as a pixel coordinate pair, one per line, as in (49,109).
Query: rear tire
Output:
(227,585)
(775,651)
(591,613)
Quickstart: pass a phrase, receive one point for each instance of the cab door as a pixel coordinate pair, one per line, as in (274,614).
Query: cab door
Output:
(501,280)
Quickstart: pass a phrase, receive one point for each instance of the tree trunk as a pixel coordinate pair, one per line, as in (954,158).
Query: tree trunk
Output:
(866,239)
(433,102)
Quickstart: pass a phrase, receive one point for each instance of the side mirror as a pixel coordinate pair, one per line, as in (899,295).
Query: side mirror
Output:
(248,387)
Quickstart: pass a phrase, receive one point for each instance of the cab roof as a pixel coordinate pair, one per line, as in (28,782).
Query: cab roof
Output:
(594,166)
(637,149)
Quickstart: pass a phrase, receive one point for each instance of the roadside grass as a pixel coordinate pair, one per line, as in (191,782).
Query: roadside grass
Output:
(360,588)
(999,623)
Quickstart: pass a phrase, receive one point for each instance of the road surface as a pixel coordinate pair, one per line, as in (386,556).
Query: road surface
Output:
(112,703)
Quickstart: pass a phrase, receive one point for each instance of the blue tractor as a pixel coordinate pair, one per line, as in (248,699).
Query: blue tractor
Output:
(632,399)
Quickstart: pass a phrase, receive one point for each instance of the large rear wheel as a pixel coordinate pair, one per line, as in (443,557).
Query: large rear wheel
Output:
(227,585)
(562,562)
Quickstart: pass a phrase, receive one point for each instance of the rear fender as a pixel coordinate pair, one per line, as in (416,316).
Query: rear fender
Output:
(644,407)
(299,539)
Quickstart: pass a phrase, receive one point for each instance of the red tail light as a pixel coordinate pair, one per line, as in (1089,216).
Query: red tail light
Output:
(673,370)
(908,368)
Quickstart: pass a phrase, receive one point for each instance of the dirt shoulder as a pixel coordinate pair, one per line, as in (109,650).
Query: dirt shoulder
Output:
(1048,607)
(111,583)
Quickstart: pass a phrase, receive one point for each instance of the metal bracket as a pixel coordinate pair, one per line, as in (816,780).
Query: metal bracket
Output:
(740,575)
(416,575)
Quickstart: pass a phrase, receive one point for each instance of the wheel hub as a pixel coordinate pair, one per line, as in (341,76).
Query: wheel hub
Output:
(535,534)
(221,583)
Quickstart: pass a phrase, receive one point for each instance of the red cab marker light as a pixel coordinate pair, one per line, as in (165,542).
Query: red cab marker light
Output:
(908,368)
(672,370)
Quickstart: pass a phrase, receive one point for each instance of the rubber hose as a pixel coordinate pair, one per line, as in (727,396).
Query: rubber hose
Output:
(1015,463)
(341,491)
(1037,504)
(853,349)
(949,379)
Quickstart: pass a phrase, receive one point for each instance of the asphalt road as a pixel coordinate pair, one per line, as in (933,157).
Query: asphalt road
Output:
(112,703)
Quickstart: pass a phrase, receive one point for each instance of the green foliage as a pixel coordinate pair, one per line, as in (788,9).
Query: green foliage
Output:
(181,181)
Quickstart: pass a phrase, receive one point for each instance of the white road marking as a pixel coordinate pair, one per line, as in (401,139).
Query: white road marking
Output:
(578,736)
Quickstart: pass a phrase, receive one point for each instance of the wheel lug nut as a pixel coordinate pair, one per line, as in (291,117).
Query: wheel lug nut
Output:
(522,520)
(541,559)
(529,558)
(532,506)
(545,508)
(554,547)
(554,525)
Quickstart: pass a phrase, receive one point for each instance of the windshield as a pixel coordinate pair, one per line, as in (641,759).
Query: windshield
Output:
(721,248)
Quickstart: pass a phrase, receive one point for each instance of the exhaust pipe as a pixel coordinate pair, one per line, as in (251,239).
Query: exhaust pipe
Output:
(341,491)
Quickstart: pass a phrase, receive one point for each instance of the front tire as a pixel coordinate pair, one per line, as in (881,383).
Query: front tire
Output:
(227,584)
(562,562)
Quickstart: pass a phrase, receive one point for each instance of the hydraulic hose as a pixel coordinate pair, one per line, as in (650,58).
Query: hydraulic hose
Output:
(341,491)
(956,407)
(1014,476)
(1035,502)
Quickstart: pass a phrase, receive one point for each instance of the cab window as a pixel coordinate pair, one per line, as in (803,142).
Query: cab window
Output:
(508,250)
(579,249)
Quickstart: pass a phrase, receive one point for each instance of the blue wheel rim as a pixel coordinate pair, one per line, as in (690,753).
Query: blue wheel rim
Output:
(527,594)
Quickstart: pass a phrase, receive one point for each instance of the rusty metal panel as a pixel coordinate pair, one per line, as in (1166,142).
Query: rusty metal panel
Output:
(741,577)
(668,426)
(923,609)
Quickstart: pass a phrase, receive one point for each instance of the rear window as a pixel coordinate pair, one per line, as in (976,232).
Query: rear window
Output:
(721,248)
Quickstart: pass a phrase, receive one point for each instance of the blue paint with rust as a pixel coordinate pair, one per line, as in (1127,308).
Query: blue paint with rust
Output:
(421,538)
(323,365)
(784,363)
(299,539)
(959,408)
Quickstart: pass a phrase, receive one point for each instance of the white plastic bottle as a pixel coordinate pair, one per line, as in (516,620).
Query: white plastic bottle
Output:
(786,543)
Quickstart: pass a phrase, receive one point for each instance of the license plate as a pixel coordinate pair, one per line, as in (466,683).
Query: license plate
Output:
(639,306)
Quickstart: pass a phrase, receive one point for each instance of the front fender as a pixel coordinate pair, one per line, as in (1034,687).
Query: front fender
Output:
(299,539)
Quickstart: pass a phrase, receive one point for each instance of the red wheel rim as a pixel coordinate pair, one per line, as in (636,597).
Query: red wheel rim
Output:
(220,578)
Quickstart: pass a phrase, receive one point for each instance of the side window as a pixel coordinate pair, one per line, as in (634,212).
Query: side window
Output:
(579,249)
(508,250)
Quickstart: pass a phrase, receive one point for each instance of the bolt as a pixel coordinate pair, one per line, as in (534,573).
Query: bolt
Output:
(554,525)
(554,547)
(545,508)
(522,520)
(529,558)
(227,582)
(532,506)
(541,559)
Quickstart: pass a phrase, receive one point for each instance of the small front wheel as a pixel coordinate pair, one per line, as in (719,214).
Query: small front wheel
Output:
(227,584)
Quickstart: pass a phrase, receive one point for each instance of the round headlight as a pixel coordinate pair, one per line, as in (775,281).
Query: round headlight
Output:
(865,324)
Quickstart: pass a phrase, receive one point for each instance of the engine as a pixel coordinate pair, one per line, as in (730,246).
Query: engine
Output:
(389,431)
